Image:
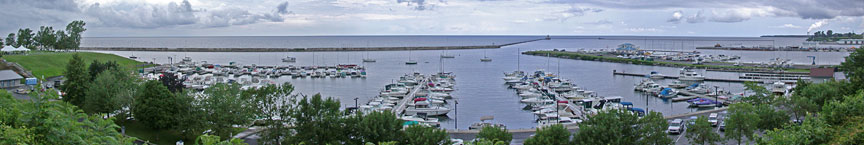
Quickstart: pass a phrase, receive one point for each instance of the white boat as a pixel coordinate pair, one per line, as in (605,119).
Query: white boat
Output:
(425,108)
(530,95)
(778,88)
(289,59)
(369,60)
(410,61)
(655,75)
(536,100)
(690,75)
(678,84)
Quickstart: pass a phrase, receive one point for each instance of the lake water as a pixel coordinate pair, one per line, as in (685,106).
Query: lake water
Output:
(480,90)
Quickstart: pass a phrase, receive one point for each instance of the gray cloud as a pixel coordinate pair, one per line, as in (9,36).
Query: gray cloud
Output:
(806,9)
(420,5)
(696,18)
(282,8)
(676,17)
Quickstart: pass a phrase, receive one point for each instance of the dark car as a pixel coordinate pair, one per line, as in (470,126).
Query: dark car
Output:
(723,126)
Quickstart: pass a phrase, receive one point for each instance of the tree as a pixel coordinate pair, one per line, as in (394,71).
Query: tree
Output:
(110,92)
(76,83)
(608,127)
(10,40)
(46,37)
(75,30)
(811,131)
(741,122)
(378,126)
(1,43)
(224,106)
(702,133)
(97,67)
(837,112)
(853,67)
(214,140)
(158,108)
(25,38)
(495,134)
(653,129)
(552,135)
(61,41)
(174,83)
(275,103)
(760,94)
(423,135)
(317,121)
(770,118)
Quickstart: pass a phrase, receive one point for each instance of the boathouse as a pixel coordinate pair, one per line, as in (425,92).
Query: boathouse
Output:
(9,78)
(819,75)
(851,41)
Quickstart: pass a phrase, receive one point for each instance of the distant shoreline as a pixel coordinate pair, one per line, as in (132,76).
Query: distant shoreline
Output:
(302,49)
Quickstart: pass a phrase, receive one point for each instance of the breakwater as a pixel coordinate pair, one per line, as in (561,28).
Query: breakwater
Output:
(303,49)
(602,58)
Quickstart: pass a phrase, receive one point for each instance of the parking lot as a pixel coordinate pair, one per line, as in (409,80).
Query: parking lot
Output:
(681,139)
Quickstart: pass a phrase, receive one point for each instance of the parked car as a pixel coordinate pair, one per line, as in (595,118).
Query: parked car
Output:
(714,119)
(22,91)
(723,126)
(676,126)
(692,120)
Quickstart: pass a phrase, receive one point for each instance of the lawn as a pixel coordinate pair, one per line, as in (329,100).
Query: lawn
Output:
(50,64)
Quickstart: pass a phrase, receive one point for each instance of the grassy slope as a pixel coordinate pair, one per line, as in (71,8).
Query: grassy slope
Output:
(54,63)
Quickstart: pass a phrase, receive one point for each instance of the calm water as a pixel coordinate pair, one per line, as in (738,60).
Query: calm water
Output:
(480,90)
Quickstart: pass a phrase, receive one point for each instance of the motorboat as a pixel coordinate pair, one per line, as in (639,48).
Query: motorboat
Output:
(655,75)
(698,89)
(778,88)
(369,60)
(702,103)
(690,75)
(289,59)
(678,84)
(667,93)
(485,59)
(411,62)
(536,100)
(424,107)
(530,95)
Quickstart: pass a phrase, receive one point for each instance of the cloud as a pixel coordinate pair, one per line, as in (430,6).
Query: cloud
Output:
(643,29)
(282,8)
(573,11)
(696,18)
(805,9)
(420,5)
(599,22)
(817,25)
(792,26)
(676,17)
(142,16)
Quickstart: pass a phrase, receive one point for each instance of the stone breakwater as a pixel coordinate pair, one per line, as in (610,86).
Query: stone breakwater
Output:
(302,49)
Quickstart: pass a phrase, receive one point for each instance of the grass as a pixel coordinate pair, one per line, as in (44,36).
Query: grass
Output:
(576,55)
(51,64)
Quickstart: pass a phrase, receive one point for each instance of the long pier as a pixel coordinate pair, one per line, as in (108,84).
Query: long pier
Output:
(675,77)
(302,49)
(403,104)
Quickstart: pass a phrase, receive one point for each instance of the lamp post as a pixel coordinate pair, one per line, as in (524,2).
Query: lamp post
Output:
(355,103)
(456,117)
(716,93)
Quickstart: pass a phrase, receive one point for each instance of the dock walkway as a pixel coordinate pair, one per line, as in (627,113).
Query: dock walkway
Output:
(400,108)
(675,77)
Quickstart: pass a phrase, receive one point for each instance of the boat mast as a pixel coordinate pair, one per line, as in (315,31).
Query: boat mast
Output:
(518,59)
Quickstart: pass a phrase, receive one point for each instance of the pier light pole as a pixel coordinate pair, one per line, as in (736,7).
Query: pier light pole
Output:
(355,102)
(456,117)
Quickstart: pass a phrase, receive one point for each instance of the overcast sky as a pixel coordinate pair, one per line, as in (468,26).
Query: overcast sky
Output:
(436,17)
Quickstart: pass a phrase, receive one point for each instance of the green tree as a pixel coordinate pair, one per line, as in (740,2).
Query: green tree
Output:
(46,38)
(837,112)
(760,95)
(702,133)
(741,122)
(110,92)
(609,127)
(423,135)
(653,129)
(62,41)
(495,134)
(551,135)
(275,103)
(317,121)
(378,126)
(224,106)
(812,131)
(770,118)
(10,40)
(77,81)
(853,67)
(158,108)
(25,38)
(97,67)
(75,30)
(214,140)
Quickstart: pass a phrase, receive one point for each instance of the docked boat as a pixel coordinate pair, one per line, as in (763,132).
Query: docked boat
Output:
(655,75)
(425,107)
(698,89)
(485,59)
(779,88)
(369,60)
(702,103)
(483,123)
(667,93)
(678,84)
(289,59)
(690,75)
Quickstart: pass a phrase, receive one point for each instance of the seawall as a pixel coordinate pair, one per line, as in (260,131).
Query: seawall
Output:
(303,49)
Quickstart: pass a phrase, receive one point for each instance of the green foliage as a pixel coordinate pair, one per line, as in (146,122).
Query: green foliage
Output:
(42,121)
(97,67)
(110,92)
(853,67)
(653,129)
(552,135)
(770,118)
(495,134)
(760,95)
(702,133)
(837,112)
(812,131)
(831,36)
(275,103)
(483,141)
(46,37)
(741,121)
(10,40)
(53,64)
(25,38)
(214,140)
(317,121)
(423,135)
(76,83)
(616,127)
(378,127)
(157,107)
(223,106)
(75,30)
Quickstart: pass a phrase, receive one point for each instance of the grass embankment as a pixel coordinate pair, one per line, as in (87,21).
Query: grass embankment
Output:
(581,56)
(51,64)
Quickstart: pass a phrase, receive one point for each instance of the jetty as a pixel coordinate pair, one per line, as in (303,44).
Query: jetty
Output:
(676,77)
(402,104)
(318,49)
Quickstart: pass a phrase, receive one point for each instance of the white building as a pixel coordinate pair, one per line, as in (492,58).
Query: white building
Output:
(9,78)
(851,41)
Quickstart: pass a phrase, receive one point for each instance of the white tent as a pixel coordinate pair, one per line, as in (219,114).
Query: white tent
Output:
(10,49)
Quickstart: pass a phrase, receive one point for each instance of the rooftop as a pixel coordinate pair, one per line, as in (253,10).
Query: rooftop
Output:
(9,75)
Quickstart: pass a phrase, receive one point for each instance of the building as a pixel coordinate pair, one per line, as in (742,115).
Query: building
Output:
(9,78)
(851,41)
(819,75)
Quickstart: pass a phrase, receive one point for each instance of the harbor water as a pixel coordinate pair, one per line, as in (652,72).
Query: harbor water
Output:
(480,91)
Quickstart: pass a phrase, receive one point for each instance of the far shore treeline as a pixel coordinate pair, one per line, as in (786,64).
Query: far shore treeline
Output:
(46,38)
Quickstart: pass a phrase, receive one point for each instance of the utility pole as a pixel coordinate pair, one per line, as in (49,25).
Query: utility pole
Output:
(456,117)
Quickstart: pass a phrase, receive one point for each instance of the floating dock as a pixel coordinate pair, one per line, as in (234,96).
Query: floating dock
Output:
(403,104)
(675,77)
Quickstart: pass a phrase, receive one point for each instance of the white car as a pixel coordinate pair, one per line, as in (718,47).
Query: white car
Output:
(714,119)
(676,126)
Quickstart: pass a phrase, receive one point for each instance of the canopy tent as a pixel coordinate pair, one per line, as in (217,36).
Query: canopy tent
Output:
(13,49)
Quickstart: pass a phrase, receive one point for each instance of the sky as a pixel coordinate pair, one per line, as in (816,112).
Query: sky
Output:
(153,18)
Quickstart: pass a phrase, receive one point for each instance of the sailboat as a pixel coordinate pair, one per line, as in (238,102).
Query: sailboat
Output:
(289,59)
(485,58)
(133,56)
(410,61)
(367,59)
